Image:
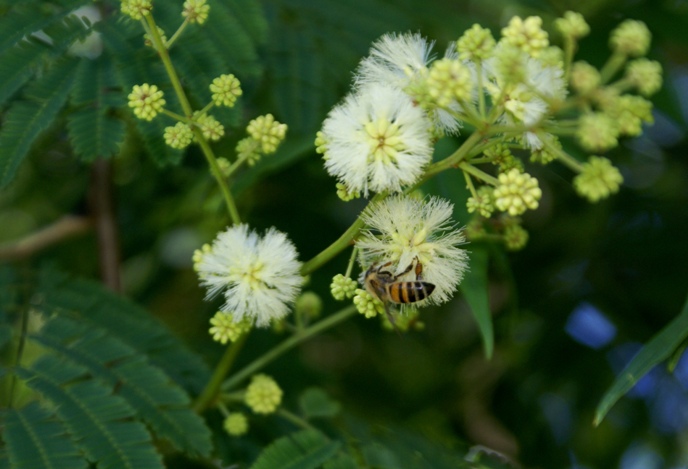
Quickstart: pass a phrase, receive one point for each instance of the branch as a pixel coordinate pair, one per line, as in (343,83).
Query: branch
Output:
(64,228)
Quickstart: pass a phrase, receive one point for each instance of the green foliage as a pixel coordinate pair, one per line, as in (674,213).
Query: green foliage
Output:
(108,371)
(658,349)
(302,450)
(35,438)
(315,402)
(474,289)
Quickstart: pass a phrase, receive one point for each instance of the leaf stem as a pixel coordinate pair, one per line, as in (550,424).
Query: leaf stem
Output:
(286,345)
(188,111)
(211,392)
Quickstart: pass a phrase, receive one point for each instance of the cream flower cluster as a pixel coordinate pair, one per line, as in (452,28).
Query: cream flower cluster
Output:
(258,275)
(403,230)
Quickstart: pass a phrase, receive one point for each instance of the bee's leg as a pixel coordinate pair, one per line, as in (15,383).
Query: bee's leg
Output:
(419,270)
(406,271)
(392,321)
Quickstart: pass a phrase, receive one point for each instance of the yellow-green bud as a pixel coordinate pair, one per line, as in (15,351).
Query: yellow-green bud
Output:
(573,25)
(146,101)
(309,304)
(368,305)
(248,149)
(501,156)
(235,424)
(510,62)
(645,75)
(515,237)
(196,11)
(449,80)
(224,329)
(320,143)
(597,132)
(476,44)
(631,38)
(225,90)
(345,194)
(584,78)
(342,287)
(266,130)
(526,35)
(404,321)
(136,9)
(517,192)
(210,127)
(483,203)
(629,114)
(148,40)
(263,395)
(598,179)
(178,136)
(547,153)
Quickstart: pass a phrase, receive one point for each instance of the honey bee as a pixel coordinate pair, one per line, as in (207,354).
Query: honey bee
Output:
(385,286)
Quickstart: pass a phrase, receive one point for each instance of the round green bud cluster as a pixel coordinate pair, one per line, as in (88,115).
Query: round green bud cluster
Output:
(598,179)
(309,304)
(342,287)
(475,229)
(517,192)
(223,165)
(584,78)
(247,149)
(547,153)
(225,90)
(526,35)
(263,395)
(210,127)
(178,136)
(235,424)
(136,9)
(476,44)
(483,203)
(196,11)
(345,194)
(199,253)
(266,130)
(146,101)
(645,75)
(320,143)
(515,237)
(597,132)
(367,304)
(510,64)
(224,329)
(631,38)
(449,80)
(552,56)
(572,25)
(501,156)
(630,112)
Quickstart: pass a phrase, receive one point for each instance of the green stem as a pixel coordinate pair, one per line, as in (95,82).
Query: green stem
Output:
(469,184)
(188,111)
(482,175)
(452,160)
(237,164)
(565,158)
(613,65)
(289,343)
(340,244)
(350,267)
(481,92)
(295,419)
(211,392)
(569,50)
(177,33)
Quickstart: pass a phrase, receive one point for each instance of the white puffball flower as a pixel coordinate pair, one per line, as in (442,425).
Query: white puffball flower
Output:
(377,140)
(259,276)
(399,60)
(402,229)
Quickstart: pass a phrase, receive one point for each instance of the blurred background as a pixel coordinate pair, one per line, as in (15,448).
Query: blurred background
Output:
(592,285)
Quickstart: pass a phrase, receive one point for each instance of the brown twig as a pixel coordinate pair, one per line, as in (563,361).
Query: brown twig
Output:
(102,210)
(63,228)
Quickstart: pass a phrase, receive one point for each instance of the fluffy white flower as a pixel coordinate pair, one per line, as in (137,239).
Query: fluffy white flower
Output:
(258,275)
(395,60)
(402,229)
(398,60)
(377,140)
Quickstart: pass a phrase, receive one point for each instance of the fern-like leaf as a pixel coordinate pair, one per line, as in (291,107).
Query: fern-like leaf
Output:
(27,119)
(302,450)
(161,403)
(35,439)
(127,322)
(99,421)
(18,64)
